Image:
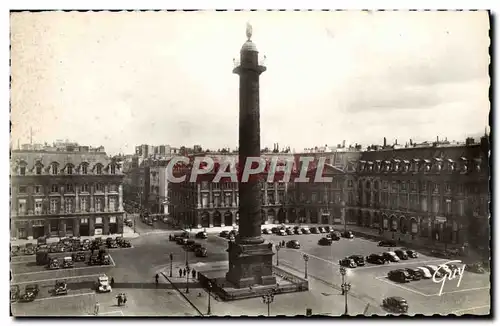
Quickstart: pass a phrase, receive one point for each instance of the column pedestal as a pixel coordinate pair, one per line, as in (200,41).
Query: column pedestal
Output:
(250,264)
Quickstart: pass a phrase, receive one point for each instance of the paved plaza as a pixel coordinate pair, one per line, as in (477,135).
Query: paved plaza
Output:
(134,270)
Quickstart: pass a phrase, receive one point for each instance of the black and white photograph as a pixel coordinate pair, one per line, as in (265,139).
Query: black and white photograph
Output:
(250,163)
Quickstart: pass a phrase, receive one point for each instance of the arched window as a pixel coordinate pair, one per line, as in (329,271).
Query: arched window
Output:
(54,169)
(84,168)
(69,169)
(99,169)
(113,169)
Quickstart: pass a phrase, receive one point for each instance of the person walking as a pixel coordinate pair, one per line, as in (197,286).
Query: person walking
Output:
(96,308)
(156,279)
(180,272)
(112,282)
(193,273)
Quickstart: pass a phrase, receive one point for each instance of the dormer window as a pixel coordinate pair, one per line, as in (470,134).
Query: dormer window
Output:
(113,169)
(99,169)
(69,169)
(54,169)
(84,169)
(22,170)
(38,170)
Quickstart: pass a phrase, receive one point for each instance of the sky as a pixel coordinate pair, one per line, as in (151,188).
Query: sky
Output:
(125,79)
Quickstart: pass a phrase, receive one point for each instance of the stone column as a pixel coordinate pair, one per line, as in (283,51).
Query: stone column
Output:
(105,227)
(29,230)
(61,206)
(285,211)
(233,198)
(47,228)
(308,216)
(266,199)
(120,198)
(62,227)
(119,223)
(91,209)
(211,219)
(211,195)
(233,214)
(91,225)
(76,226)
(106,197)
(276,198)
(198,186)
(198,219)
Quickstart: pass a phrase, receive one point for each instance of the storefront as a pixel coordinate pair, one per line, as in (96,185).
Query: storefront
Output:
(113,225)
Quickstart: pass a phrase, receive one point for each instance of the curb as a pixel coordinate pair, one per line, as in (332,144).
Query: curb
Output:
(182,293)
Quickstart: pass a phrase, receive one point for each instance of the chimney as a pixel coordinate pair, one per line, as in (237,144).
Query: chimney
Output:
(437,139)
(343,144)
(411,142)
(385,142)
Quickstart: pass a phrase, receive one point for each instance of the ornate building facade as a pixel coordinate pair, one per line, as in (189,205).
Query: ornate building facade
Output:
(74,190)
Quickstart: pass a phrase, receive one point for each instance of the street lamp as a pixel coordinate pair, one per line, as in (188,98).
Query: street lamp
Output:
(209,295)
(268,299)
(306,258)
(187,278)
(171,261)
(345,287)
(278,247)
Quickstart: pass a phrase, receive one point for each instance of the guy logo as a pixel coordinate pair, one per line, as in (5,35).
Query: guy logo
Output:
(448,275)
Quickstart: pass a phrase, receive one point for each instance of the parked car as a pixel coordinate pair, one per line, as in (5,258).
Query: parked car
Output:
(297,231)
(325,241)
(415,273)
(434,270)
(281,232)
(453,268)
(54,263)
(425,272)
(224,234)
(29,249)
(411,253)
(189,245)
(475,268)
(328,229)
(399,275)
(395,304)
(112,244)
(314,230)
(289,231)
(181,241)
(306,231)
(335,235)
(201,252)
(387,243)
(348,262)
(103,285)
(79,256)
(201,235)
(401,254)
(348,234)
(294,244)
(274,230)
(358,259)
(321,229)
(61,288)
(68,262)
(390,256)
(266,231)
(15,251)
(125,243)
(30,293)
(375,259)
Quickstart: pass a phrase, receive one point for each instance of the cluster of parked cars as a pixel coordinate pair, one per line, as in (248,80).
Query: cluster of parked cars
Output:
(31,291)
(404,275)
(378,259)
(189,244)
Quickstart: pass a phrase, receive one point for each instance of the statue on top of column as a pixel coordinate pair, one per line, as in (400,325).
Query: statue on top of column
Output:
(249,31)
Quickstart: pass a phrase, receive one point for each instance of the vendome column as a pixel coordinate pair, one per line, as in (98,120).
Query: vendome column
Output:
(250,259)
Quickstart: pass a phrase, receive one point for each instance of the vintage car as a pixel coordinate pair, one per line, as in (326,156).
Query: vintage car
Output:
(224,234)
(15,251)
(475,268)
(125,244)
(306,231)
(358,259)
(297,231)
(54,263)
(348,262)
(105,259)
(328,229)
(399,275)
(266,231)
(390,256)
(30,293)
(375,259)
(411,253)
(348,234)
(14,293)
(79,256)
(86,244)
(294,244)
(60,288)
(435,270)
(112,244)
(201,252)
(189,245)
(401,254)
(68,262)
(395,304)
(103,284)
(325,241)
(335,236)
(321,229)
(181,241)
(201,235)
(94,260)
(425,272)
(314,230)
(119,240)
(387,243)
(29,249)
(53,248)
(415,273)
(289,231)
(281,232)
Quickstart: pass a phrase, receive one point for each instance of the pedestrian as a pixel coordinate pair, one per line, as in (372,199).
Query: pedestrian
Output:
(96,308)
(112,282)
(124,298)
(184,272)
(180,272)
(193,274)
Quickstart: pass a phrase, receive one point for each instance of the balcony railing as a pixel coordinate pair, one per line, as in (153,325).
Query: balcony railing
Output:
(261,60)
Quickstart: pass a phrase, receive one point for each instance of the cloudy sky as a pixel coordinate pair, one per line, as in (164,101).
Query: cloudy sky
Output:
(123,79)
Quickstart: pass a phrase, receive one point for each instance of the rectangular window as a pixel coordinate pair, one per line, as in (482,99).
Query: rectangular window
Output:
(38,207)
(99,169)
(54,188)
(423,202)
(38,189)
(461,207)
(54,169)
(98,220)
(98,206)
(314,197)
(349,183)
(22,170)
(84,169)
(83,204)
(435,205)
(69,188)
(413,186)
(112,204)
(85,187)
(447,187)
(460,188)
(394,186)
(448,206)
(22,207)
(113,188)
(84,221)
(112,219)
(403,185)
(384,184)
(68,205)
(22,189)
(70,169)
(98,187)
(53,206)
(436,187)
(113,169)
(38,170)
(423,186)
